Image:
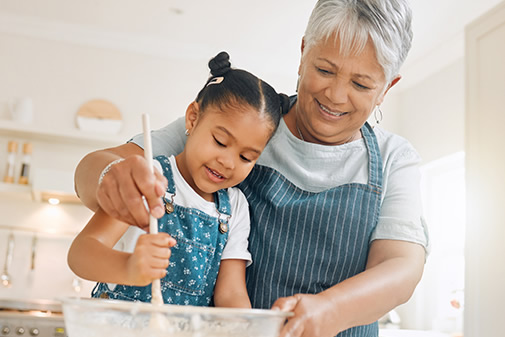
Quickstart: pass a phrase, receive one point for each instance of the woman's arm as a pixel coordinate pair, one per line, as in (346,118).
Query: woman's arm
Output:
(119,194)
(121,190)
(230,290)
(92,257)
(393,270)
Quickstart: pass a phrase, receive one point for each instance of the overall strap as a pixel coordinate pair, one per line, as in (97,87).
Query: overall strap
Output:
(167,172)
(222,201)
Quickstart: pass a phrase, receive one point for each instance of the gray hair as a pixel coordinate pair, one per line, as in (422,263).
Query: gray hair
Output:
(386,22)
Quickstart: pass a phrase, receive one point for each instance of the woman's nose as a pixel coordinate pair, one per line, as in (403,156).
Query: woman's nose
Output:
(337,91)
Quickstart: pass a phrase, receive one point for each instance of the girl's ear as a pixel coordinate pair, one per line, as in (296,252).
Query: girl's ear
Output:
(192,114)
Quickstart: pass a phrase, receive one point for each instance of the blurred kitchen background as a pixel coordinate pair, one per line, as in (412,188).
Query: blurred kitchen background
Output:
(61,58)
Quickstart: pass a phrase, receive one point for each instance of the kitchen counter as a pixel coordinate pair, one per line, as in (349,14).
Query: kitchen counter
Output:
(411,333)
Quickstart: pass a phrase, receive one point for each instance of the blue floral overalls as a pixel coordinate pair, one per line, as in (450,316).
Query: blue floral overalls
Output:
(195,259)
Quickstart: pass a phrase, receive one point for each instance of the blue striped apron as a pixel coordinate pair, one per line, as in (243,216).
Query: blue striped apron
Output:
(304,242)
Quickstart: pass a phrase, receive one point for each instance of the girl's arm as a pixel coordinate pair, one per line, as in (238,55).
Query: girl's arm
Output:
(92,257)
(230,290)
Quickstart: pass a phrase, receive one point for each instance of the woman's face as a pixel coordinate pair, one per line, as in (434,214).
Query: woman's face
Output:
(337,93)
(222,147)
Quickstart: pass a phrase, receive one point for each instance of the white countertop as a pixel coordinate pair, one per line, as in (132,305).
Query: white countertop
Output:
(410,333)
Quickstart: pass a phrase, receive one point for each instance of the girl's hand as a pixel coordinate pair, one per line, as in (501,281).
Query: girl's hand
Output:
(314,316)
(121,190)
(149,260)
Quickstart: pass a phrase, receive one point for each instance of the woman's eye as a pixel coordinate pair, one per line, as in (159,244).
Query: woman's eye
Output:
(324,71)
(360,86)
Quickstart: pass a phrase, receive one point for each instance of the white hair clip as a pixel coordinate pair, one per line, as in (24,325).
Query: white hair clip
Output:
(216,80)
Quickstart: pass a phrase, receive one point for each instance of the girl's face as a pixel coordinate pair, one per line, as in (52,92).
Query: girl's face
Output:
(336,93)
(222,147)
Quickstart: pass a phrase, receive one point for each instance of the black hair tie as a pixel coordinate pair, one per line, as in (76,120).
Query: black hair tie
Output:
(284,103)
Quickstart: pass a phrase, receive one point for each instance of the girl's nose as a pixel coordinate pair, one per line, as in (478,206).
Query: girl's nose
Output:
(226,159)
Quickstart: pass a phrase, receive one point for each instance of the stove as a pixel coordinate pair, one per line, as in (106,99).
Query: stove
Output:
(42,318)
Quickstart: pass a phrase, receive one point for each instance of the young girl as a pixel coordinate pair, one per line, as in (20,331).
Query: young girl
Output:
(200,252)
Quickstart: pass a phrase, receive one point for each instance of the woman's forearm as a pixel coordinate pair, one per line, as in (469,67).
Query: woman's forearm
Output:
(123,189)
(393,271)
(87,173)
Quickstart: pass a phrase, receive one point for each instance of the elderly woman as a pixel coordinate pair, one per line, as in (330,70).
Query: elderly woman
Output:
(337,234)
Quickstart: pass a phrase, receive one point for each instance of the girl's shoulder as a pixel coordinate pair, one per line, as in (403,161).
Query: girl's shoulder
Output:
(237,197)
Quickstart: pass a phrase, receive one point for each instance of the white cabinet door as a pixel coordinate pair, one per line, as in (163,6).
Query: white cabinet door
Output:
(485,175)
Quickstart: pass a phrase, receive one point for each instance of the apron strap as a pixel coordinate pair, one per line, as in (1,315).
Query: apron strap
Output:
(375,158)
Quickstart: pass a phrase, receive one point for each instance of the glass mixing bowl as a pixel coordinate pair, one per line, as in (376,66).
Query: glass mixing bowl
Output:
(90,317)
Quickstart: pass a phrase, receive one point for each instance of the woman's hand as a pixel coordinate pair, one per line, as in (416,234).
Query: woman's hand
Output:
(314,316)
(149,261)
(121,190)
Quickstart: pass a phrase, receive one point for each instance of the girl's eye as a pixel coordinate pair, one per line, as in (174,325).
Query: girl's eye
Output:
(245,159)
(218,142)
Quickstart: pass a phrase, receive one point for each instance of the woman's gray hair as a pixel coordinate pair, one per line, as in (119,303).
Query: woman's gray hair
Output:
(386,22)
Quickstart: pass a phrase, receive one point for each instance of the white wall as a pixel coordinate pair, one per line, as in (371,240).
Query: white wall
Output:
(485,274)
(430,113)
(61,76)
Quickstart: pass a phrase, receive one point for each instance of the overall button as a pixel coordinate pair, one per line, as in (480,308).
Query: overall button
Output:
(5,330)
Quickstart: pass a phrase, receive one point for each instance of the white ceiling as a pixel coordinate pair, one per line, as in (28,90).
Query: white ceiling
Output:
(263,35)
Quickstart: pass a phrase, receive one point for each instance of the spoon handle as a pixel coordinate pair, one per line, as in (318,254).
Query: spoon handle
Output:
(157,297)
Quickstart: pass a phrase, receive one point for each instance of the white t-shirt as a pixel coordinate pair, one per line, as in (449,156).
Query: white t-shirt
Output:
(316,168)
(239,223)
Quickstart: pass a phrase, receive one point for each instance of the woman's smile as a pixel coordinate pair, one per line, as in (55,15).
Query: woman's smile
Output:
(327,110)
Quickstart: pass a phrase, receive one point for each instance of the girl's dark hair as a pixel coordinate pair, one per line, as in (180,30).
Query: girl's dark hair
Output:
(227,86)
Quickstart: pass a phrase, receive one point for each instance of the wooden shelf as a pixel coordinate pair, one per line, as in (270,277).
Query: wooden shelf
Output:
(17,191)
(75,136)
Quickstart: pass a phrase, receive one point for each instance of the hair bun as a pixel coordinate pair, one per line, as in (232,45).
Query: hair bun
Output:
(220,64)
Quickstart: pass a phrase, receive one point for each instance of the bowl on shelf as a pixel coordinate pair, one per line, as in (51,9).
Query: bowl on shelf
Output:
(99,116)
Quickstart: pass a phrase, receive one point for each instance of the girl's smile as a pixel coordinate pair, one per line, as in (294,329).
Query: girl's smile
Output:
(215,176)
